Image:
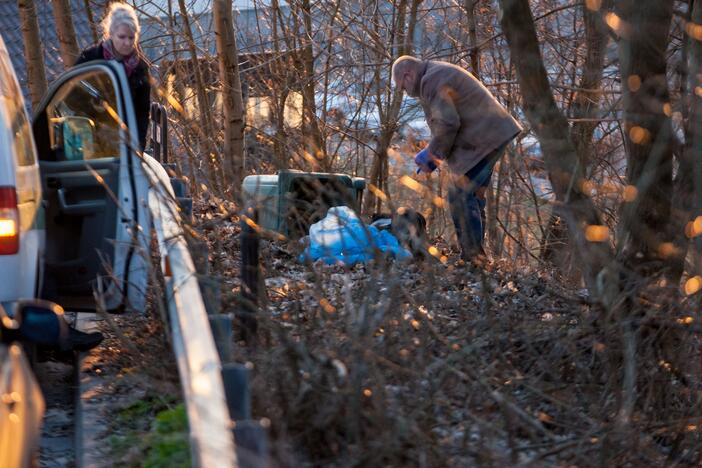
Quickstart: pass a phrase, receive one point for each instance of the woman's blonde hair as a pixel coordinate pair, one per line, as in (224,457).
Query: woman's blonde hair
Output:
(117,15)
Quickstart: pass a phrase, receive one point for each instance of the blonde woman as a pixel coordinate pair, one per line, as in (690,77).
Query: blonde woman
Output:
(120,42)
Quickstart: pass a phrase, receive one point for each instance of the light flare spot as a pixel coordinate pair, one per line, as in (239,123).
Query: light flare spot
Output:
(693,285)
(14,419)
(686,320)
(377,192)
(415,324)
(412,184)
(614,22)
(433,251)
(667,250)
(639,135)
(630,193)
(327,306)
(597,233)
(593,5)
(667,109)
(588,187)
(697,226)
(694,30)
(440,202)
(367,392)
(172,101)
(7,322)
(634,83)
(689,230)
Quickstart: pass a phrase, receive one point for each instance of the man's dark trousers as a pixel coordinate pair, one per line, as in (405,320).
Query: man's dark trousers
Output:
(467,204)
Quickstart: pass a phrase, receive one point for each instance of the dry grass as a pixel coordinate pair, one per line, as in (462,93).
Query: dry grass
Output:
(425,364)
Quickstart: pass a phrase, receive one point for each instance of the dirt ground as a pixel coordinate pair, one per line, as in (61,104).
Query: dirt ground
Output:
(434,362)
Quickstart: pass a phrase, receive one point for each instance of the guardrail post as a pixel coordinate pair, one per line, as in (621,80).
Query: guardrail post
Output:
(209,287)
(251,444)
(222,332)
(236,388)
(250,274)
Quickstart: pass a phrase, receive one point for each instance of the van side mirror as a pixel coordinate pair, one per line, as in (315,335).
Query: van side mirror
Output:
(73,138)
(35,321)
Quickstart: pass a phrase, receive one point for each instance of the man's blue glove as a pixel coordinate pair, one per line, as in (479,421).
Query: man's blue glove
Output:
(425,161)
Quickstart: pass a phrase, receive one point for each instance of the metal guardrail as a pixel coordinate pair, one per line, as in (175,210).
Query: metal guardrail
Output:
(199,365)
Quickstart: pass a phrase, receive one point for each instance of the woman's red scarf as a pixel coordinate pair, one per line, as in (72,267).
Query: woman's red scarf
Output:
(130,62)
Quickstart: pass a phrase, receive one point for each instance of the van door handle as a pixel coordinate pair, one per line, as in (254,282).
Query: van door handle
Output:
(83,208)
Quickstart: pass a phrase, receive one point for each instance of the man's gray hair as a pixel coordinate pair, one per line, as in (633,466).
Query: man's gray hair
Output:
(404,64)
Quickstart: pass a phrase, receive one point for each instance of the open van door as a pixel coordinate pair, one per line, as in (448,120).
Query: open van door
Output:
(94,187)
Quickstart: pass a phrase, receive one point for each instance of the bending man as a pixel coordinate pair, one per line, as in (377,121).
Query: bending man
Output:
(470,131)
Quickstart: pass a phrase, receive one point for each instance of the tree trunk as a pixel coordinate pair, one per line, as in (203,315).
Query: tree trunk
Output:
(645,221)
(584,109)
(207,129)
(390,113)
(473,37)
(310,126)
(687,198)
(233,104)
(68,44)
(552,130)
(279,92)
(91,21)
(33,51)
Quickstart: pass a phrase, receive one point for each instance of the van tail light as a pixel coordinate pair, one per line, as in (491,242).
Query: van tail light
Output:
(9,221)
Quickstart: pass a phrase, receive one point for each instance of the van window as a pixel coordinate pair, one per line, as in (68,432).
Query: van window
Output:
(83,120)
(14,106)
(24,146)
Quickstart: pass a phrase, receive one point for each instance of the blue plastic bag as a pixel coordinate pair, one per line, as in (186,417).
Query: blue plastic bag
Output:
(341,237)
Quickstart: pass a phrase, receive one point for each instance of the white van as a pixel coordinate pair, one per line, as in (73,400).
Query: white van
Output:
(84,166)
(95,188)
(73,214)
(22,228)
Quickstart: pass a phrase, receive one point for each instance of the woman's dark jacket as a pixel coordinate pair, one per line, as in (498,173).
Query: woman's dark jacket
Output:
(139,85)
